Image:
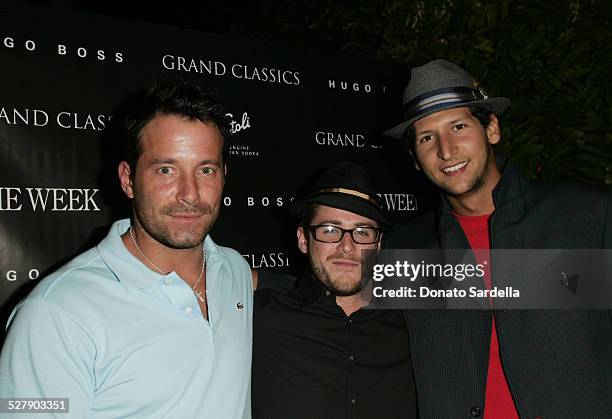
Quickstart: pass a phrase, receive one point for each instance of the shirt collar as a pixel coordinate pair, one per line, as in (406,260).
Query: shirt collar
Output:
(508,188)
(511,184)
(130,271)
(310,289)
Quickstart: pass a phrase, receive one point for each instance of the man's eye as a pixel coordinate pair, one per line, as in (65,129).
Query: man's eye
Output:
(365,232)
(164,170)
(459,126)
(330,230)
(425,138)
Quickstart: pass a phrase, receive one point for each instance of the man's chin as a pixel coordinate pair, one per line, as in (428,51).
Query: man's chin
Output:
(343,289)
(459,190)
(187,241)
(336,282)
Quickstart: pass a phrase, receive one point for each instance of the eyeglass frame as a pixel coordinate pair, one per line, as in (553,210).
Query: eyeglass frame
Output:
(313,229)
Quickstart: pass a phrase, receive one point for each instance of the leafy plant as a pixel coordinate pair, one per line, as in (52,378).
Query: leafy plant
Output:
(552,59)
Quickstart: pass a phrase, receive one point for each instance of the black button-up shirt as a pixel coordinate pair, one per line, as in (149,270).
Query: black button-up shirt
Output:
(311,361)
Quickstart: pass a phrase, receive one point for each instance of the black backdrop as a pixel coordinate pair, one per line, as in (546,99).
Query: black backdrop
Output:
(63,75)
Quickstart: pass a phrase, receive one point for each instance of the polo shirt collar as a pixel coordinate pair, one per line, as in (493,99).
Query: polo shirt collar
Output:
(130,271)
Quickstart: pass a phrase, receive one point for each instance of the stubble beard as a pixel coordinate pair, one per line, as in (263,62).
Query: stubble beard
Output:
(162,232)
(475,184)
(335,286)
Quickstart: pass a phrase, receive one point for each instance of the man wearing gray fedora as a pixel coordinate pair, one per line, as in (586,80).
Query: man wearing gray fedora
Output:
(498,363)
(317,351)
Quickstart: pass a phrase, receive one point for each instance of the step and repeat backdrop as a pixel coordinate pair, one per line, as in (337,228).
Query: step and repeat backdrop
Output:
(294,113)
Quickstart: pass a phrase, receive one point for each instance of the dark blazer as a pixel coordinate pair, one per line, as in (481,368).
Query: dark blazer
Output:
(558,362)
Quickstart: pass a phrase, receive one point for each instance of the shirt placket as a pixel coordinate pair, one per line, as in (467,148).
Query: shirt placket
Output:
(351,397)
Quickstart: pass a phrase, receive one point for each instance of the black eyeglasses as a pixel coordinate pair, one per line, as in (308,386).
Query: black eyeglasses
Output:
(331,234)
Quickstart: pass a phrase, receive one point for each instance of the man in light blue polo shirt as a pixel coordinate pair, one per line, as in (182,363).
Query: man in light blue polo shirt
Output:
(155,321)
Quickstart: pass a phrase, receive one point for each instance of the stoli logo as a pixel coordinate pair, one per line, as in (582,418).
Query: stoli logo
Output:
(244,123)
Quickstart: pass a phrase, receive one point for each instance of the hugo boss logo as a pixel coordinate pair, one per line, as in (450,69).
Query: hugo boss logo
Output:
(10,42)
(65,49)
(344,85)
(83,52)
(14,274)
(266,201)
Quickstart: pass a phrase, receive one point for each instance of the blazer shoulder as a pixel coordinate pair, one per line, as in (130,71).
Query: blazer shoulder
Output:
(571,196)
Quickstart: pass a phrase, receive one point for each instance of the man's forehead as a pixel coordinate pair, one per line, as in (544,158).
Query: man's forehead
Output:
(445,116)
(340,216)
(172,131)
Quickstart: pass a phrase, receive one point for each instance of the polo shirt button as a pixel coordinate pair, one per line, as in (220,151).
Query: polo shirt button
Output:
(475,411)
(188,310)
(351,358)
(353,401)
(327,293)
(168,281)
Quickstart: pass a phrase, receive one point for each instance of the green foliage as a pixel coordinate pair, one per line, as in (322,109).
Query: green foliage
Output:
(341,26)
(552,59)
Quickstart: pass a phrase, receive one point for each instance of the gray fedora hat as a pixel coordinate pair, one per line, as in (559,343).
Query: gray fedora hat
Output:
(440,85)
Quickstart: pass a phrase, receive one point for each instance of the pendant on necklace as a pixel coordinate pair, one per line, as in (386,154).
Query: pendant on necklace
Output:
(200,296)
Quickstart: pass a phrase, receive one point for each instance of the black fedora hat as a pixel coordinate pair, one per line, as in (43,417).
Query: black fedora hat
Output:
(345,186)
(440,85)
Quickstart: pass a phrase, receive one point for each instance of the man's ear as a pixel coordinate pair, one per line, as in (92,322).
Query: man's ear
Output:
(302,240)
(493,133)
(125,179)
(414,160)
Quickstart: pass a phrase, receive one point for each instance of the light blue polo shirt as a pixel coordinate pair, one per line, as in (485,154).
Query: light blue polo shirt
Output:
(120,340)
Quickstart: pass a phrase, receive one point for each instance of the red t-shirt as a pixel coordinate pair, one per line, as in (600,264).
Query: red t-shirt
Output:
(498,399)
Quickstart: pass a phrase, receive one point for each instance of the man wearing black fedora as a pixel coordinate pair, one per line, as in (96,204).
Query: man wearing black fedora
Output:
(318,352)
(498,363)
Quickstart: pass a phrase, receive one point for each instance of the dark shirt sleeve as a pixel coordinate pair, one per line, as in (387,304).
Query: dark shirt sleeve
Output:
(274,280)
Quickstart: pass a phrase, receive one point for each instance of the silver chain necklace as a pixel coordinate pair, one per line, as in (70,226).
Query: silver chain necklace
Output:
(199,294)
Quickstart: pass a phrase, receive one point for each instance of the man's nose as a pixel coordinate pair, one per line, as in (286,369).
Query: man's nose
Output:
(188,189)
(346,243)
(446,147)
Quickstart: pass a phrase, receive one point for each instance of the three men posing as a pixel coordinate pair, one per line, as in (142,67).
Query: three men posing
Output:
(121,329)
